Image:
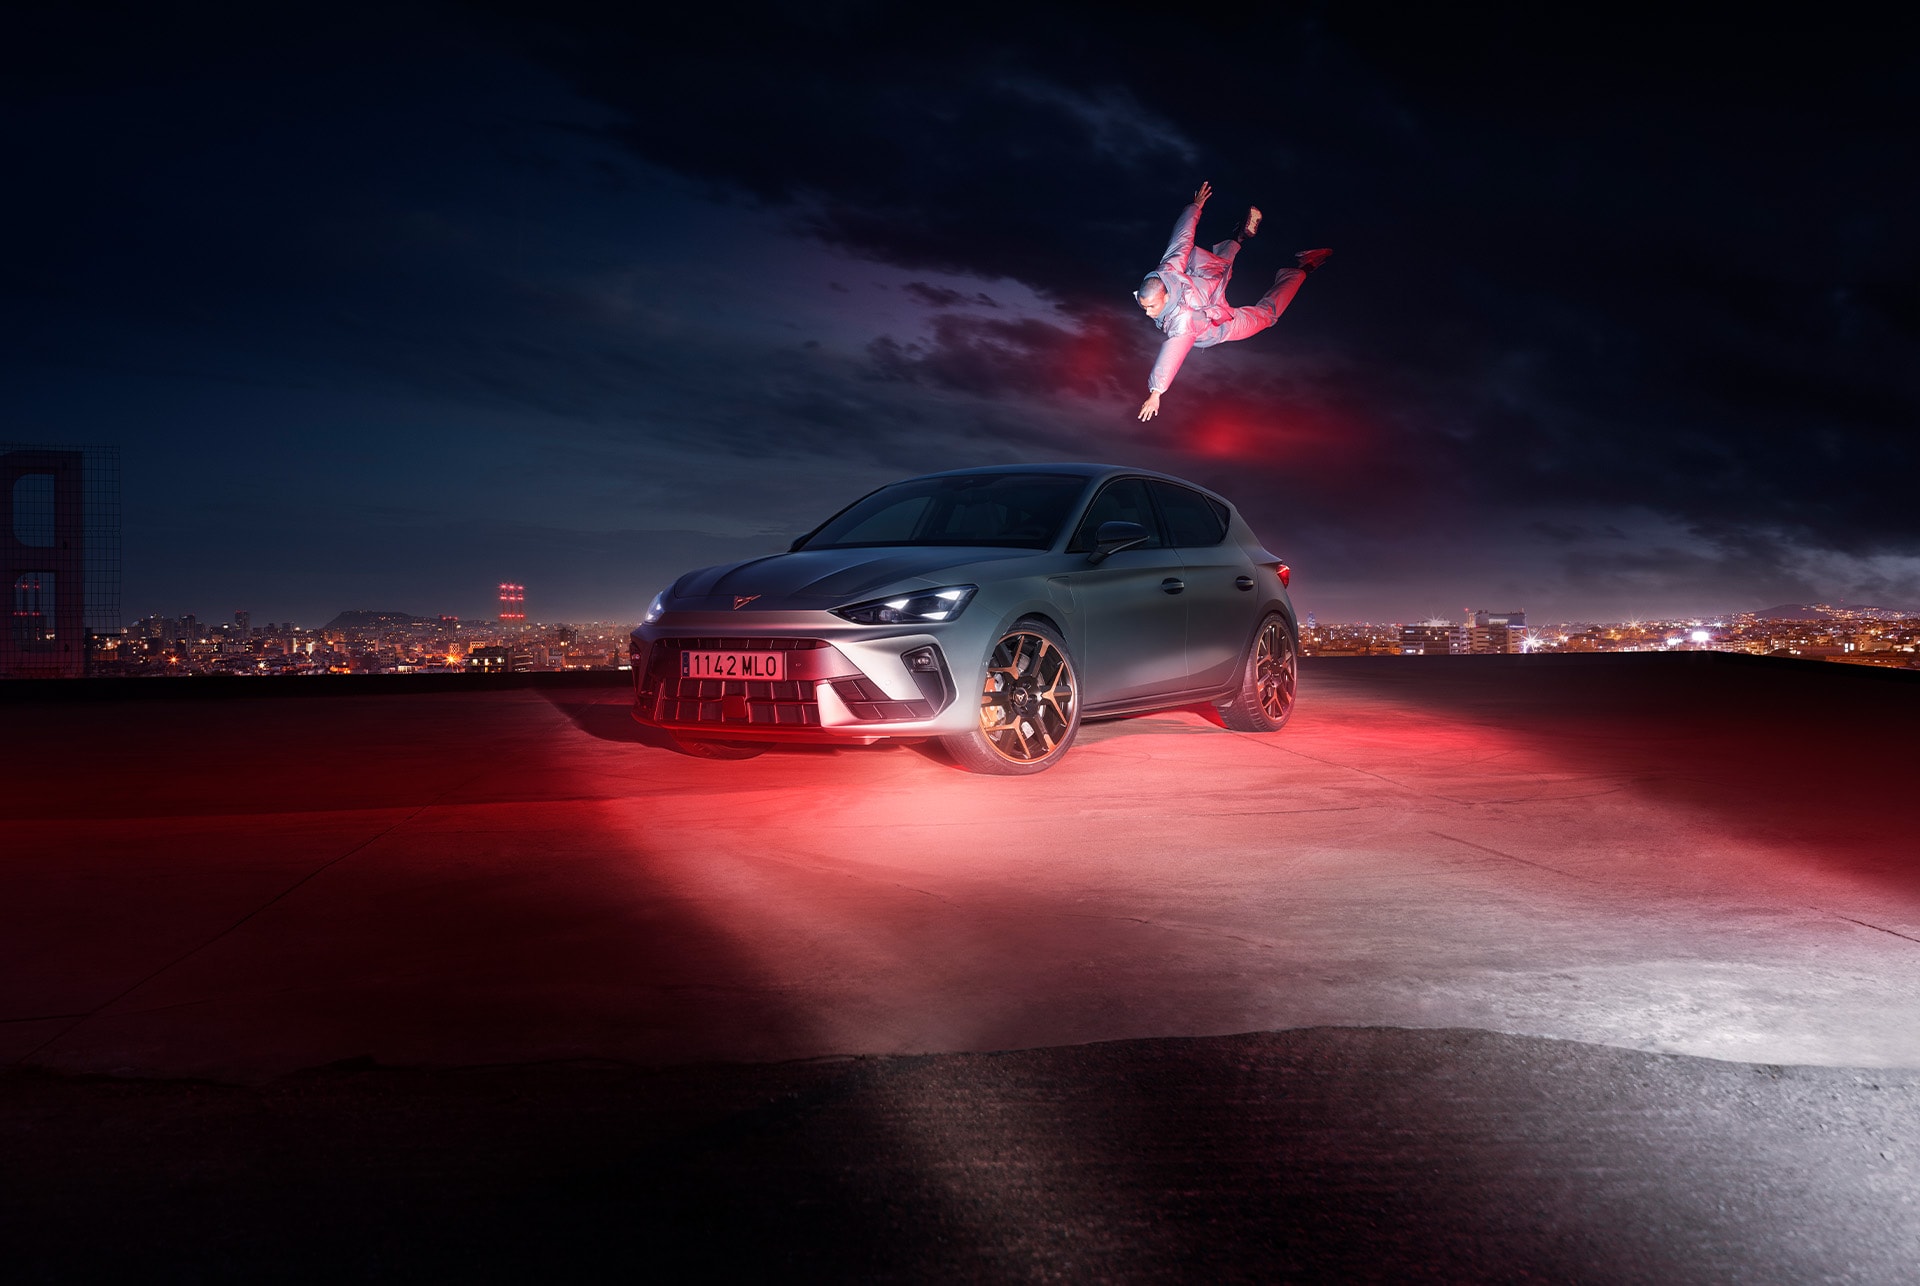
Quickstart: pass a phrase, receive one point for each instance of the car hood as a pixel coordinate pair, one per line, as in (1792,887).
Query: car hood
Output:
(828,577)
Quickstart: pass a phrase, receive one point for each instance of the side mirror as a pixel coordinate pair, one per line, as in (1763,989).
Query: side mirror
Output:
(1112,537)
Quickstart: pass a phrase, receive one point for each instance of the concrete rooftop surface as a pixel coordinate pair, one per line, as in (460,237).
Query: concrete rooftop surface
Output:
(1543,880)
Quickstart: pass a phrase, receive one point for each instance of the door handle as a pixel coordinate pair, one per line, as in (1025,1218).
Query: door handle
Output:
(1173,585)
(1243,582)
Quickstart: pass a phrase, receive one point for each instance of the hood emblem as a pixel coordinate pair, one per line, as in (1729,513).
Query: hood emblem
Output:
(741,600)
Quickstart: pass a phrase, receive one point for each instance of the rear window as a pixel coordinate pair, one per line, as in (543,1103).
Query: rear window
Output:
(1192,519)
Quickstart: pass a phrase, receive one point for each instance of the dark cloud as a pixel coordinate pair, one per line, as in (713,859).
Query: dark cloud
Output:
(1023,357)
(913,135)
(1563,533)
(945,297)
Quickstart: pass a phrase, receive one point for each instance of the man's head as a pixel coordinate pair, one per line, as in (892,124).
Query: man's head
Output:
(1152,296)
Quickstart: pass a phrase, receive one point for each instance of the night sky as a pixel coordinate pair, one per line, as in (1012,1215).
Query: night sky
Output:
(384,306)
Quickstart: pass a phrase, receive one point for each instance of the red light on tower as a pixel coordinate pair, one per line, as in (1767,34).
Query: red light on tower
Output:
(513,604)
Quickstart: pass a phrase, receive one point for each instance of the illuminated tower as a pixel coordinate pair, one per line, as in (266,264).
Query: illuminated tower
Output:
(513,604)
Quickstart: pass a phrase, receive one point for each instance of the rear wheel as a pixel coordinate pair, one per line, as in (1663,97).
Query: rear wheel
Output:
(1268,680)
(1029,706)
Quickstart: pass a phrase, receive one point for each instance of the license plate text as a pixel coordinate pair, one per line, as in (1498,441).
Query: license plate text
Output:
(733,665)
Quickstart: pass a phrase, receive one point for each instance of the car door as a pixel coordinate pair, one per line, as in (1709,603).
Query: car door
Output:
(1220,593)
(1132,606)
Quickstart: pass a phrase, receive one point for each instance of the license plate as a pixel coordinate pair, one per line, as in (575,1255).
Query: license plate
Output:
(733,665)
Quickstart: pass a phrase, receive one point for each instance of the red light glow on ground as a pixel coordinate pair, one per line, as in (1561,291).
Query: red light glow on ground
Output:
(1618,855)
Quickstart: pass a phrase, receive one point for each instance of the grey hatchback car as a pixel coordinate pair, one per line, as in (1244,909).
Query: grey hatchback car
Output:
(989,609)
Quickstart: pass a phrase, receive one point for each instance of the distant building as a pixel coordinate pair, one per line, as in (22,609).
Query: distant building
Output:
(1433,638)
(42,553)
(487,660)
(513,603)
(1496,632)
(1492,640)
(59,557)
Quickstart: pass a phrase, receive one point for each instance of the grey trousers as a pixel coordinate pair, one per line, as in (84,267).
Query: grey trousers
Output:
(1255,318)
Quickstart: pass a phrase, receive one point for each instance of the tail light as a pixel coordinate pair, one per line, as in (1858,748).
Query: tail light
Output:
(1285,573)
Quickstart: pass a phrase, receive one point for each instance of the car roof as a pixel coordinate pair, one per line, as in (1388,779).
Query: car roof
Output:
(1078,470)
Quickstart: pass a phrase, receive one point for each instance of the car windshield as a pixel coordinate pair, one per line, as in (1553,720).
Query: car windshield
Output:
(1017,510)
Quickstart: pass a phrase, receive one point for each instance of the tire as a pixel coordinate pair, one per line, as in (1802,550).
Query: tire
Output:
(1029,705)
(1269,679)
(718,749)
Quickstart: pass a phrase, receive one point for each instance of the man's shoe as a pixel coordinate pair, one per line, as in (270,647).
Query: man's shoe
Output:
(1311,259)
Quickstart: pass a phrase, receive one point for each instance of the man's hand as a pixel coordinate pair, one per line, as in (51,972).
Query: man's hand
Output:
(1206,190)
(1150,407)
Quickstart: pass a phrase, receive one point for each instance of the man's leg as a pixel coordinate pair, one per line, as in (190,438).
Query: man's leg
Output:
(1217,262)
(1257,317)
(1286,284)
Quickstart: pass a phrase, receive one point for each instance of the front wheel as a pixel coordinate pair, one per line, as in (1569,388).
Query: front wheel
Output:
(1268,680)
(1029,706)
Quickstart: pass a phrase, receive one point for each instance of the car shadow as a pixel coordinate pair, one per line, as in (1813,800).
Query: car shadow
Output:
(611,719)
(608,719)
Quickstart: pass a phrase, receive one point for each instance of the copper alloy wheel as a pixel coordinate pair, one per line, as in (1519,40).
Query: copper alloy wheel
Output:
(1026,704)
(1275,670)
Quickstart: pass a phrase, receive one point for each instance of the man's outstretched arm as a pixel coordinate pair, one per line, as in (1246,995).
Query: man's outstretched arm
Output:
(1173,352)
(1185,228)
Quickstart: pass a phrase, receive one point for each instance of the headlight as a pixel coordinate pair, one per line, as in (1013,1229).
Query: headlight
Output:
(654,608)
(910,609)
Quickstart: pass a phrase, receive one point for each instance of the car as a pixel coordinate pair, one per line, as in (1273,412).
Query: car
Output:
(988,610)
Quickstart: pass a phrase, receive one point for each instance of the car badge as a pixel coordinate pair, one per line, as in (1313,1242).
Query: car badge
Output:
(741,600)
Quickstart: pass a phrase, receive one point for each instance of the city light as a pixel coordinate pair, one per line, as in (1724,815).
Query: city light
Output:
(1856,636)
(513,604)
(359,643)
(364,642)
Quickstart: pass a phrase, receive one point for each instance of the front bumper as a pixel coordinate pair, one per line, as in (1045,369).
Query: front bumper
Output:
(843,683)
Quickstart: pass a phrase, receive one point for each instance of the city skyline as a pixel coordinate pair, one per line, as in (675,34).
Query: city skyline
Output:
(442,294)
(537,618)
(374,642)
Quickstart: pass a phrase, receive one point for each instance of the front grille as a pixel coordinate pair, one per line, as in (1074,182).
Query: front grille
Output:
(742,701)
(866,700)
(788,703)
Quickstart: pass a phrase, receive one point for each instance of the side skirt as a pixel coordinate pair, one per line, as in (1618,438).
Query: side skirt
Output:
(1171,701)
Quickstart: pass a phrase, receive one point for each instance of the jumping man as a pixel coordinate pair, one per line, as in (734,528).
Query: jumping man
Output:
(1186,295)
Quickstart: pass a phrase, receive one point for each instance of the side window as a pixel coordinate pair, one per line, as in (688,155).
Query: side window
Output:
(1122,500)
(1192,519)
